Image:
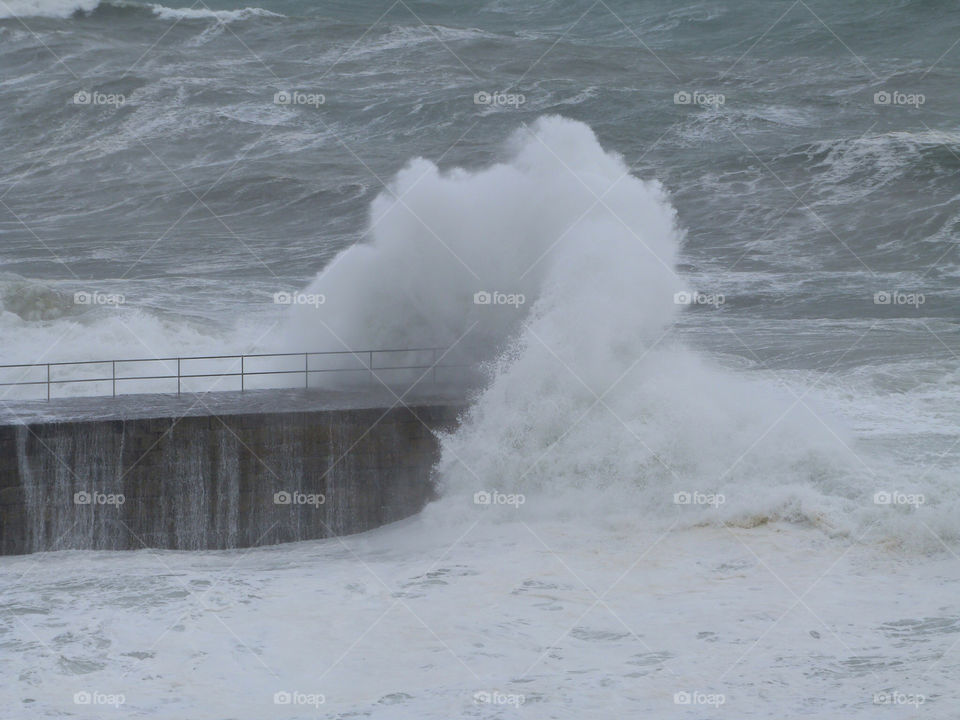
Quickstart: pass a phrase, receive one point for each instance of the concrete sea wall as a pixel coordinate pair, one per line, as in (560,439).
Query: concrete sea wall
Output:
(208,482)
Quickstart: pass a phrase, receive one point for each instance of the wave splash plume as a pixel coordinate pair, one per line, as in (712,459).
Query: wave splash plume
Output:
(591,406)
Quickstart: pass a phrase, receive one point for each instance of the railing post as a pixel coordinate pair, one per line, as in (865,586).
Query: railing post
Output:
(178,377)
(242,357)
(113,365)
(306,370)
(370,365)
(434,366)
(48,382)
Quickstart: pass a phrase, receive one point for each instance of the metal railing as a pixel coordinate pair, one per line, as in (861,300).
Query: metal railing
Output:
(365,358)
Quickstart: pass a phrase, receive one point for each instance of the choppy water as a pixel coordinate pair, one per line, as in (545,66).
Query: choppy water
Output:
(816,211)
(199,197)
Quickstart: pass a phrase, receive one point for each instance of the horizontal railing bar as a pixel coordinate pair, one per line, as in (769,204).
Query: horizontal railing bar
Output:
(365,358)
(224,374)
(216,357)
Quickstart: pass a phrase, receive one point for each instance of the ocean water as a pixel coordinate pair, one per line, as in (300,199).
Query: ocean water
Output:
(712,469)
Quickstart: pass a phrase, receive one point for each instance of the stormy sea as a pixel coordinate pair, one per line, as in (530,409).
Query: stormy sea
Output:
(701,260)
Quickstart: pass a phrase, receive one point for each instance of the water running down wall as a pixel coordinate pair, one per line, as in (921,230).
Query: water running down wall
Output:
(211,482)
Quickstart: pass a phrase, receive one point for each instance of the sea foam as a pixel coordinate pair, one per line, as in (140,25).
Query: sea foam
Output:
(45,8)
(592,405)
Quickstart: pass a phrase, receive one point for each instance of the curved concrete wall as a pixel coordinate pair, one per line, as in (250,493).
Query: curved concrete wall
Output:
(205,482)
